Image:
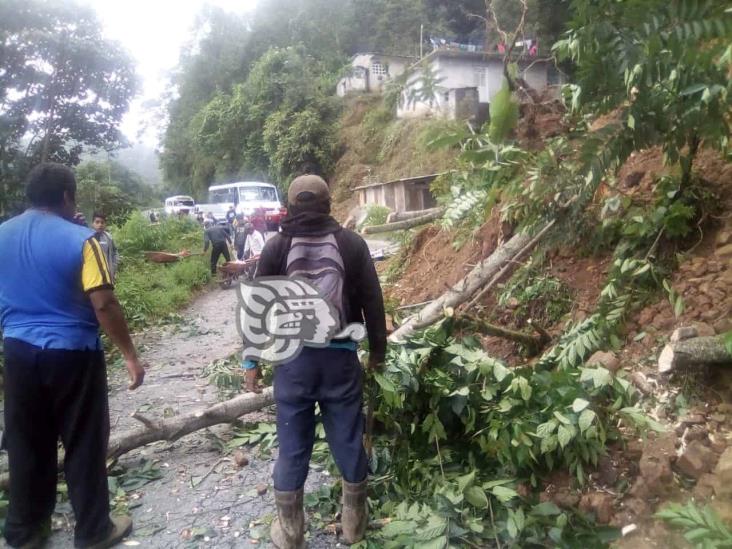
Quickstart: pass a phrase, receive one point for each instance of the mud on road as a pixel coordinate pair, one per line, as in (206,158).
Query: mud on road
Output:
(202,499)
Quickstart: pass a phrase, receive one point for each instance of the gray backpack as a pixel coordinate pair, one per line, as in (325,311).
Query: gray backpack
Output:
(318,260)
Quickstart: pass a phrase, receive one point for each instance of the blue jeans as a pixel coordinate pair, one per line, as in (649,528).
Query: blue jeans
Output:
(333,379)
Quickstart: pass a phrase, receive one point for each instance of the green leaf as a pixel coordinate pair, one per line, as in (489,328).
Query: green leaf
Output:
(579,404)
(385,383)
(476,497)
(546,429)
(546,509)
(500,371)
(398,527)
(437,543)
(728,342)
(585,420)
(465,480)
(565,434)
(503,493)
(562,418)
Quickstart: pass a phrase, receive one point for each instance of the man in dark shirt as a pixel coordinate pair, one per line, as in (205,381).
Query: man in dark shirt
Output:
(219,239)
(55,292)
(314,245)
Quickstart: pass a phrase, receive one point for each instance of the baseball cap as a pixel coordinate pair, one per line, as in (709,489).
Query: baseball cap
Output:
(307,189)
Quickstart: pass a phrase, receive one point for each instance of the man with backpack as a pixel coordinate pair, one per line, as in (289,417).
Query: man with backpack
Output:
(314,246)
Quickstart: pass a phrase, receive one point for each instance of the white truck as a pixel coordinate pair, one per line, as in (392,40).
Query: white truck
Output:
(179,205)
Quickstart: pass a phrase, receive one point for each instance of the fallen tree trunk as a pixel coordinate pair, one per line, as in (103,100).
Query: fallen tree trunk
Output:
(403,225)
(394,217)
(532,344)
(694,352)
(489,271)
(172,429)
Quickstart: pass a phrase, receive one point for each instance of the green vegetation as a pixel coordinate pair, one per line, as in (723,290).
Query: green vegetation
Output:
(702,526)
(150,291)
(112,189)
(536,296)
(54,61)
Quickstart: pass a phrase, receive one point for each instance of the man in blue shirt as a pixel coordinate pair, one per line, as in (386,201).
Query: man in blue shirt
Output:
(55,292)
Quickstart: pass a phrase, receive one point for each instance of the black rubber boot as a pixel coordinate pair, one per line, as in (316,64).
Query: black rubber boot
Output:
(354,515)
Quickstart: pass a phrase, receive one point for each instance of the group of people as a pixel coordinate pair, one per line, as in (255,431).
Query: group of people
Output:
(240,233)
(56,291)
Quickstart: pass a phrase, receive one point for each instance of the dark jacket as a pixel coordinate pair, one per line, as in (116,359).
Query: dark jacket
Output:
(215,235)
(361,284)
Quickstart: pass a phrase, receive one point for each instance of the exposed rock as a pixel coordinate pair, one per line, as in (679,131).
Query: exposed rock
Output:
(724,251)
(719,418)
(724,237)
(717,444)
(241,459)
(598,503)
(706,487)
(696,459)
(261,489)
(607,472)
(656,476)
(696,432)
(722,326)
(724,408)
(710,315)
(692,419)
(605,359)
(724,473)
(703,329)
(646,316)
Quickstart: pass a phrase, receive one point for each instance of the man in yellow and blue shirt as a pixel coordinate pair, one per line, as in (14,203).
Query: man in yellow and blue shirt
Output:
(55,292)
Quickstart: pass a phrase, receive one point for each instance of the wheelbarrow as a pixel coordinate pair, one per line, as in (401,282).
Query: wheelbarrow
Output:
(233,270)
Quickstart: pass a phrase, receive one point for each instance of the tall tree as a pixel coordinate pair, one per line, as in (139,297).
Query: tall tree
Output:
(63,86)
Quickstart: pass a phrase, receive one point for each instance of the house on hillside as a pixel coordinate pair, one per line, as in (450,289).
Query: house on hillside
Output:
(464,82)
(401,195)
(370,71)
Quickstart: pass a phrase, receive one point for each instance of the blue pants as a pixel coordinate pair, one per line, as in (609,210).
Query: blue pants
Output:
(333,379)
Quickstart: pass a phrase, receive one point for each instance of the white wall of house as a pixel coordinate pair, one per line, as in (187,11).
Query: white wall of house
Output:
(370,72)
(455,73)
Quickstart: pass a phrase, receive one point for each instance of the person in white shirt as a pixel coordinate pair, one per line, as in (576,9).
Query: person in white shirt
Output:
(254,242)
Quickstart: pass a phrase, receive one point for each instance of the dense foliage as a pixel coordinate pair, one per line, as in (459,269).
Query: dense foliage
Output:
(151,291)
(253,95)
(63,87)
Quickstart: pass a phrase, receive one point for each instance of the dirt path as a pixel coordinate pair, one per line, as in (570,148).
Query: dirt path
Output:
(202,499)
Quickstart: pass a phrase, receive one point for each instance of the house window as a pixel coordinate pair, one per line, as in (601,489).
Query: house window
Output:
(377,69)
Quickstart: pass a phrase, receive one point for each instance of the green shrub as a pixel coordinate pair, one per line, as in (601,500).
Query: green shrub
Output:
(150,291)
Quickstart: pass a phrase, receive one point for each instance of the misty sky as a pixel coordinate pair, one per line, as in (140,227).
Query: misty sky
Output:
(153,31)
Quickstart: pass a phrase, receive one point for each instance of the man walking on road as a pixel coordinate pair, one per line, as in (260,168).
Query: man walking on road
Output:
(55,292)
(220,241)
(313,245)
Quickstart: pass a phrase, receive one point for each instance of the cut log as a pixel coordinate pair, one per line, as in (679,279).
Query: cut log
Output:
(173,428)
(532,344)
(484,275)
(693,352)
(394,217)
(403,225)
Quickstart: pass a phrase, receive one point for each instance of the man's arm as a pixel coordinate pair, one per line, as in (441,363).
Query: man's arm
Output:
(270,260)
(112,320)
(372,302)
(97,283)
(206,240)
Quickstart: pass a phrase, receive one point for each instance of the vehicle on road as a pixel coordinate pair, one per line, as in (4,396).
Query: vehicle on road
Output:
(251,198)
(179,205)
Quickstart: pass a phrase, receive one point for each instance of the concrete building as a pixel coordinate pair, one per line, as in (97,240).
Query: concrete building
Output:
(401,195)
(458,75)
(370,71)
